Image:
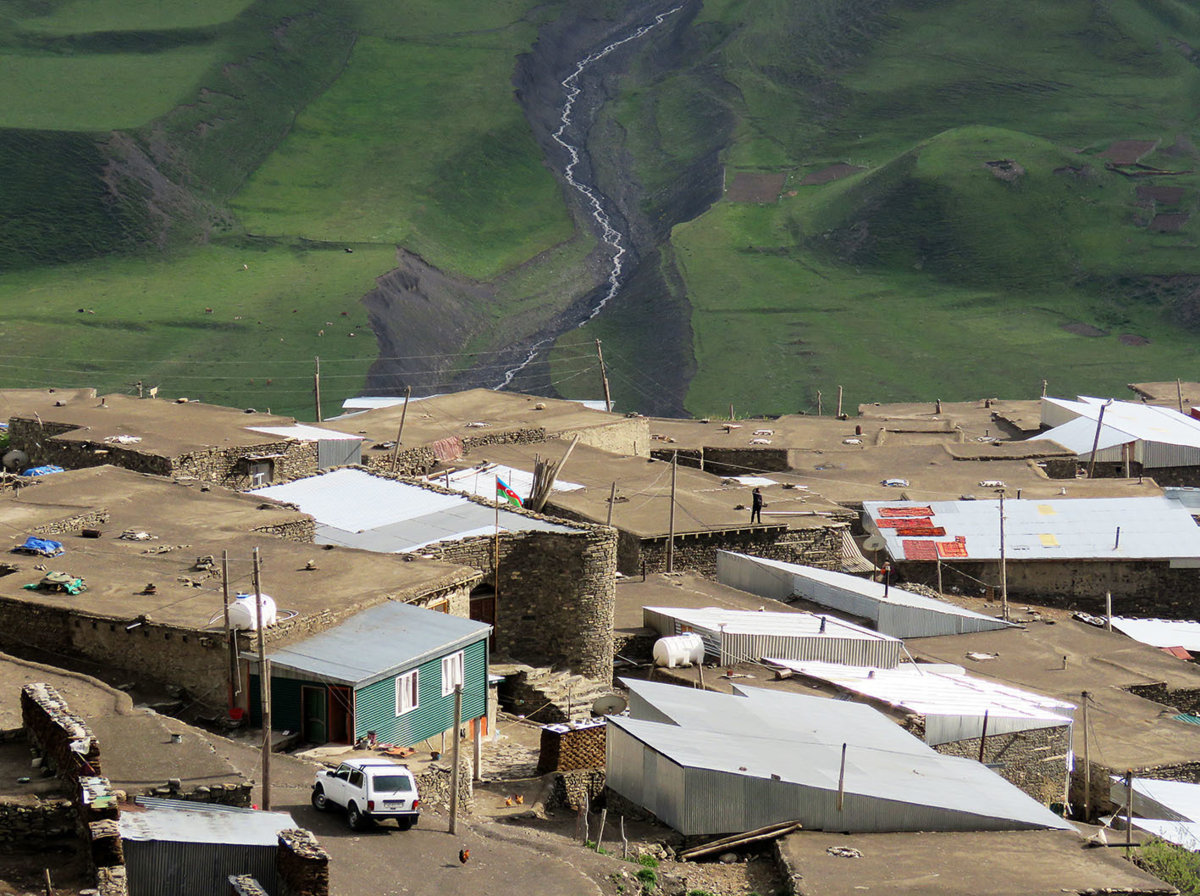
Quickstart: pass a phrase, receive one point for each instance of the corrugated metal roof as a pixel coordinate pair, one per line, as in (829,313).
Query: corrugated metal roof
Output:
(1078,435)
(201,823)
(937,689)
(378,642)
(1154,528)
(1161,632)
(809,752)
(767,623)
(1169,800)
(1128,420)
(1181,833)
(357,509)
(303,433)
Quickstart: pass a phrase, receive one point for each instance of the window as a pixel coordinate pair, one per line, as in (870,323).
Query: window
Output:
(452,672)
(407,698)
(356,778)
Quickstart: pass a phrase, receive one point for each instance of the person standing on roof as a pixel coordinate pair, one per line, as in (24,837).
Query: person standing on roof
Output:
(756,506)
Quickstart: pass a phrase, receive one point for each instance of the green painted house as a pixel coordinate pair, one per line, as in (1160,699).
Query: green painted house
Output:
(391,669)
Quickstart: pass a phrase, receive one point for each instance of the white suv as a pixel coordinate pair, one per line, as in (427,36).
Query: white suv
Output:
(369,790)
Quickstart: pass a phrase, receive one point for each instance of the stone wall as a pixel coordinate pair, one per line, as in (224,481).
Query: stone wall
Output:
(301,864)
(301,530)
(727,461)
(567,747)
(819,546)
(570,788)
(1145,588)
(555,596)
(64,740)
(26,821)
(434,782)
(1034,760)
(91,519)
(245,885)
(1181,700)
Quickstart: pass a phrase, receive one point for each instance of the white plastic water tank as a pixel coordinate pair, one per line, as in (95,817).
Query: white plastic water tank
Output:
(679,650)
(242,615)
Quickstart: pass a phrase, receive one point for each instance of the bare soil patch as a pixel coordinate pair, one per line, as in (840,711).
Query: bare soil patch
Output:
(1082,329)
(1165,195)
(1132,339)
(1005,169)
(750,187)
(1128,152)
(1169,223)
(830,174)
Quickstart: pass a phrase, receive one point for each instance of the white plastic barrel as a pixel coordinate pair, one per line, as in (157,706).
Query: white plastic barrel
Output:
(679,650)
(242,615)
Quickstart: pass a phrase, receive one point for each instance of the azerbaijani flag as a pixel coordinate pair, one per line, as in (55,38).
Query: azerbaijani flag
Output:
(504,493)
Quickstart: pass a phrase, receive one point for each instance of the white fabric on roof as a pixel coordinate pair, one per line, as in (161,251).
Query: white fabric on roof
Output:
(356,501)
(1161,632)
(1152,798)
(302,433)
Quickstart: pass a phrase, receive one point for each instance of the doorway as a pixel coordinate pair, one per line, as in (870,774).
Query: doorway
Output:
(341,715)
(314,721)
(483,609)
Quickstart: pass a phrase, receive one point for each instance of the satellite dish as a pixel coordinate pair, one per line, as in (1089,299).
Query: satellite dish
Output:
(609,705)
(14,459)
(874,543)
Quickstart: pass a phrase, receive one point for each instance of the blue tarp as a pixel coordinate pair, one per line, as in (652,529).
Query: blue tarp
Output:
(43,546)
(42,471)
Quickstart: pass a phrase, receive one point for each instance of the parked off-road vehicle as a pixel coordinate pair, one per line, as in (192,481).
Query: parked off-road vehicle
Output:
(369,790)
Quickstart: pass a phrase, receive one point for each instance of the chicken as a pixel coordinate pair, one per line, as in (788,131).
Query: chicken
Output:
(508,802)
(463,855)
(520,799)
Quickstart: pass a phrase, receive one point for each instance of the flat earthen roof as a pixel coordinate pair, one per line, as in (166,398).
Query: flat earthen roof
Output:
(441,416)
(165,428)
(189,521)
(682,589)
(24,402)
(704,502)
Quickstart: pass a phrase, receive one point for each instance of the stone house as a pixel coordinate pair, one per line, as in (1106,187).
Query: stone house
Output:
(231,447)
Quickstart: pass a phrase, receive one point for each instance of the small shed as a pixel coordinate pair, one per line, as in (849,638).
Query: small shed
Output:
(391,670)
(174,847)
(735,636)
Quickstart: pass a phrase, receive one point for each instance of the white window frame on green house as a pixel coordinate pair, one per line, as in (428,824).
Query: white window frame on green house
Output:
(453,672)
(408,692)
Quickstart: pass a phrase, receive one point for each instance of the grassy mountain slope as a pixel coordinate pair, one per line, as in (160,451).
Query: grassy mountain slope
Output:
(927,273)
(165,157)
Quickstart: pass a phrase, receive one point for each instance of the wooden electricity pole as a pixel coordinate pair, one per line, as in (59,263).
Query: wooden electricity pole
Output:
(1096,441)
(454,752)
(230,643)
(264,689)
(317,387)
(1003,566)
(400,434)
(1179,393)
(612,500)
(604,378)
(671,527)
(1087,763)
(839,413)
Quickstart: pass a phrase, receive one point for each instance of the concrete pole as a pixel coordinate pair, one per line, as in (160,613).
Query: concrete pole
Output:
(1003,565)
(1179,394)
(1128,811)
(671,528)
(317,387)
(839,413)
(454,752)
(1108,610)
(264,689)
(400,433)
(1096,441)
(477,750)
(1087,762)
(229,642)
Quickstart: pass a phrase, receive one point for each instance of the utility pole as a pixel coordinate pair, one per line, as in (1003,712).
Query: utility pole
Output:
(612,499)
(839,413)
(1043,388)
(604,378)
(230,643)
(818,402)
(400,433)
(1179,393)
(454,753)
(1087,763)
(1096,441)
(264,688)
(671,530)
(1003,565)
(317,387)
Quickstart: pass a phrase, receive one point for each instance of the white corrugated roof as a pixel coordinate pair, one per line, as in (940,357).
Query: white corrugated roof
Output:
(750,622)
(1161,632)
(356,501)
(363,403)
(1155,528)
(935,689)
(1171,800)
(1131,420)
(198,823)
(302,433)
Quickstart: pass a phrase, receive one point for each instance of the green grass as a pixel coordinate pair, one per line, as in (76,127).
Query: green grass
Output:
(98,92)
(420,144)
(150,324)
(85,16)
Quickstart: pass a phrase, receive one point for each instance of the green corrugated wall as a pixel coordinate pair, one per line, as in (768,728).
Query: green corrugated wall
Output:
(375,704)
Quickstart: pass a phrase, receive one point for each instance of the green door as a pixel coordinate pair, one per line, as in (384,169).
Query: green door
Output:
(316,715)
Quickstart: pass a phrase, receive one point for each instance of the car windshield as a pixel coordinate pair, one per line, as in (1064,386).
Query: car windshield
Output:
(391,784)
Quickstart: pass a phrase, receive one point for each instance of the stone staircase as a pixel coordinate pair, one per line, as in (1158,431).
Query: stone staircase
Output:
(548,696)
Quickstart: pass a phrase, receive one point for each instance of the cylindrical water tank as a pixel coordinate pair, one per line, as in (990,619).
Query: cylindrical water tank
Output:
(243,616)
(679,650)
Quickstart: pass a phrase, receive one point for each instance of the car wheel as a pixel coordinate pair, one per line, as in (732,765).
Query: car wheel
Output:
(404,824)
(319,802)
(357,820)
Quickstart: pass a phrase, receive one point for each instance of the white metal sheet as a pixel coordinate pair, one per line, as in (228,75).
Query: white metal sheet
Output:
(1161,632)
